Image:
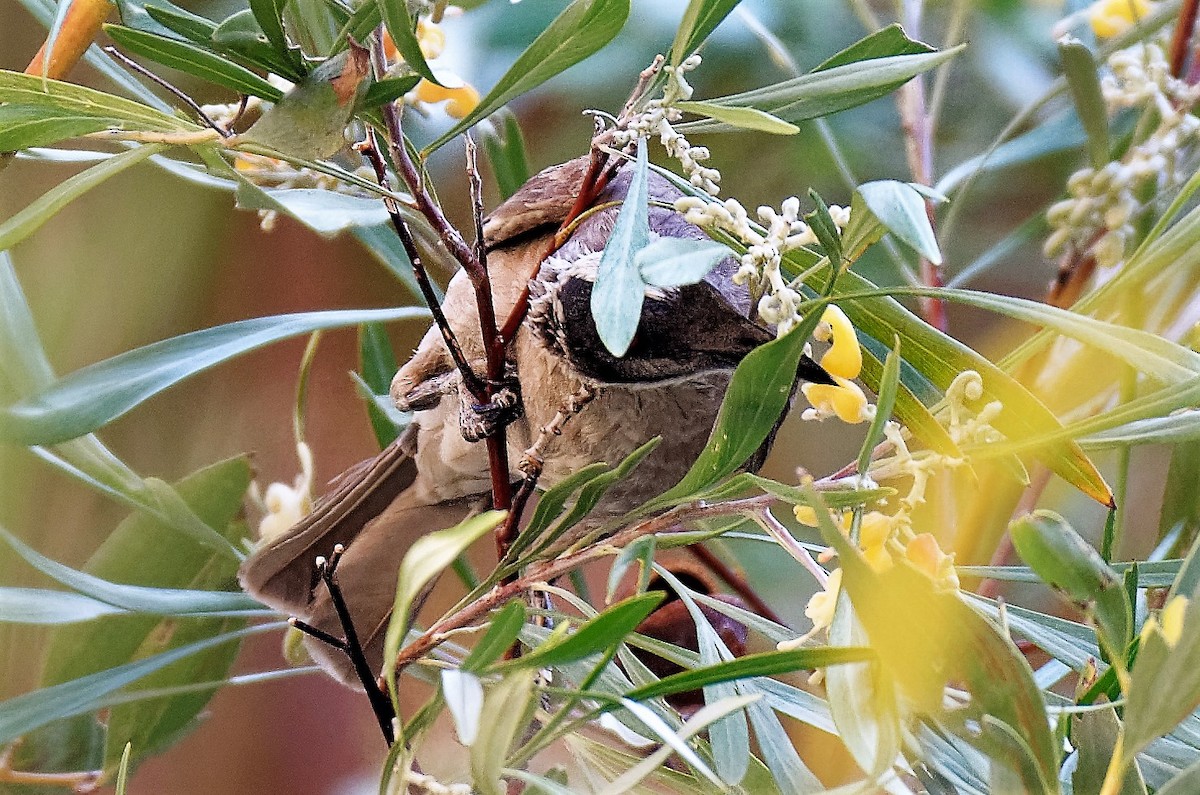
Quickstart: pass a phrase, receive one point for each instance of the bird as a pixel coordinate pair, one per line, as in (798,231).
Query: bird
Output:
(669,383)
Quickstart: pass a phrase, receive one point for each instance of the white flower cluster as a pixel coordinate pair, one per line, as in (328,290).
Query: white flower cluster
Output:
(657,118)
(760,265)
(1103,203)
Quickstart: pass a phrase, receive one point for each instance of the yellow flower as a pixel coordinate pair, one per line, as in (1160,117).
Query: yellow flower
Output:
(821,606)
(924,553)
(844,357)
(846,400)
(462,99)
(1114,17)
(430,38)
(873,535)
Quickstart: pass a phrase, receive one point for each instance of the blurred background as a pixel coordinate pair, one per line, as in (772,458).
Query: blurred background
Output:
(146,256)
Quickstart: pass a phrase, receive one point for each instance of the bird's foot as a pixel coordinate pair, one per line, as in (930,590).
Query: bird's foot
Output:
(479,421)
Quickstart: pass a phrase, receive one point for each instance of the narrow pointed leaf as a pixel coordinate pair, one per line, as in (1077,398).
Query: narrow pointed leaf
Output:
(194,60)
(580,30)
(619,290)
(96,395)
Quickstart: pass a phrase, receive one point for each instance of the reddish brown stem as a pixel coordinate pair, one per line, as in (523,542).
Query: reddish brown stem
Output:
(1183,36)
(476,270)
(734,580)
(550,569)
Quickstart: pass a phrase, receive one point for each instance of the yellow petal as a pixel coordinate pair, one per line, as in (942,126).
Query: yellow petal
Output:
(462,102)
(431,38)
(805,515)
(846,400)
(844,357)
(1113,17)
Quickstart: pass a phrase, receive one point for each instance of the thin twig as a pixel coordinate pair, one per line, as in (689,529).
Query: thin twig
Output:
(493,342)
(77,780)
(381,705)
(918,149)
(370,151)
(547,571)
(182,97)
(1183,36)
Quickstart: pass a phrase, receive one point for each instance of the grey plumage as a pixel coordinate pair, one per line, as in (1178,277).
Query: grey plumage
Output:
(670,383)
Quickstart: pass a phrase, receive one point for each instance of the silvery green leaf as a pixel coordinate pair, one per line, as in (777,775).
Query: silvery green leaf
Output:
(675,262)
(900,208)
(464,699)
(325,212)
(619,290)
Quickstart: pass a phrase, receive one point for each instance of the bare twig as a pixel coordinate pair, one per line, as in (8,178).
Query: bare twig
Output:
(918,149)
(1183,36)
(547,571)
(182,97)
(370,151)
(381,705)
(493,343)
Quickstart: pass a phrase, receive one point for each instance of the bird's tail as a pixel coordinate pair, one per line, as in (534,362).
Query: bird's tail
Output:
(370,510)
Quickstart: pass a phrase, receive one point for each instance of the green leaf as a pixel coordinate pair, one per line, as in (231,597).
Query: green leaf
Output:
(505,147)
(768,663)
(595,488)
(941,358)
(507,623)
(552,503)
(23,89)
(388,90)
(401,25)
(133,598)
(1083,80)
(269,15)
(640,551)
(123,769)
(377,363)
(901,209)
(96,395)
(509,704)
(310,121)
(1052,138)
(580,30)
(1164,686)
(1094,735)
(39,606)
(821,222)
(756,397)
(1064,560)
(593,636)
(618,292)
(699,20)
(166,19)
(147,563)
(927,637)
(862,698)
(28,220)
(741,118)
(674,261)
(889,382)
(1186,783)
(326,212)
(194,60)
(21,715)
(427,558)
(885,42)
(23,126)
(828,91)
